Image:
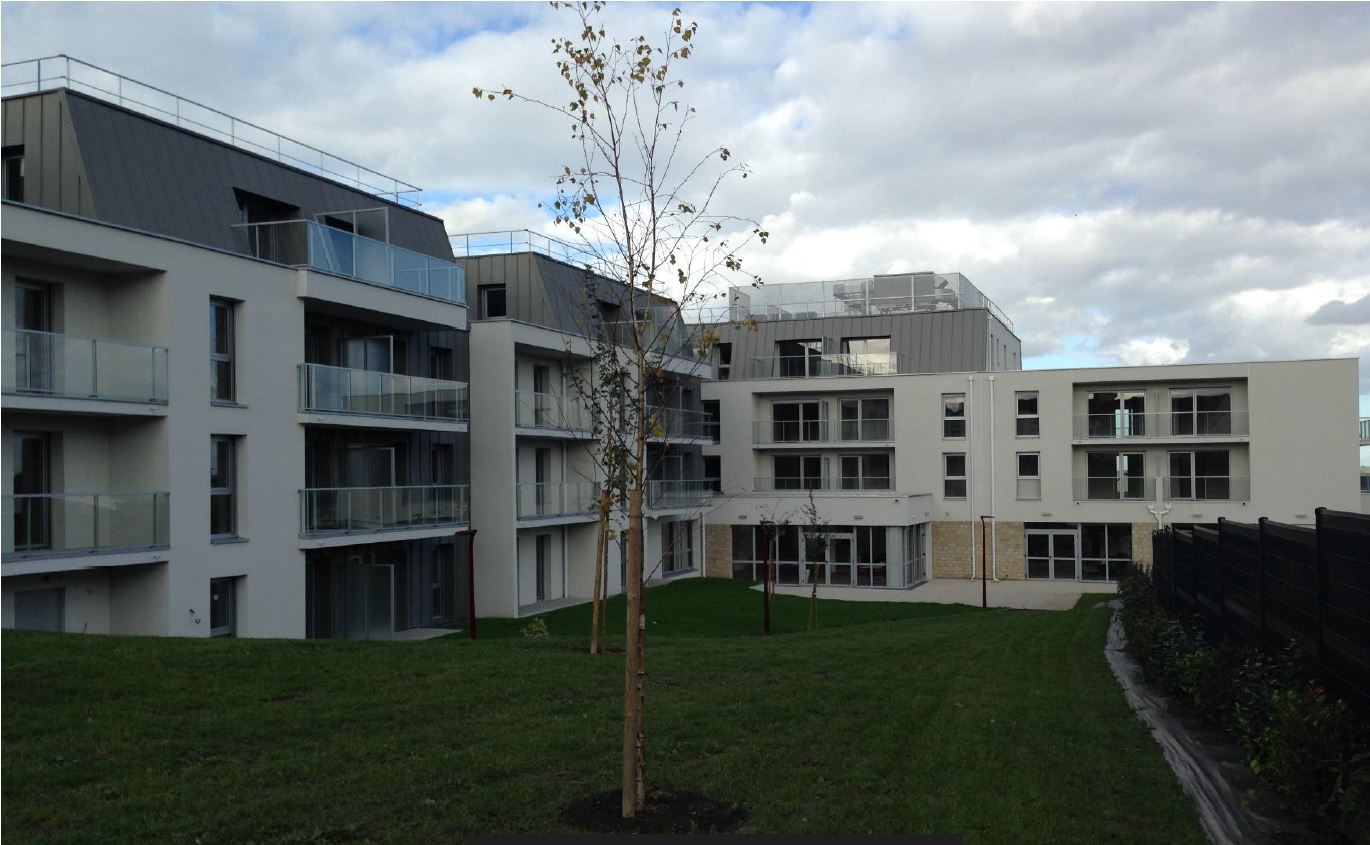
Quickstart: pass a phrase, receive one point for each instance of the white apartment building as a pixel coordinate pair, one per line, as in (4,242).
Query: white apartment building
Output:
(898,404)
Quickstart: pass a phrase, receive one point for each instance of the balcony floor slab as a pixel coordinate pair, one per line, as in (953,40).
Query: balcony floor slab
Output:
(377,421)
(360,538)
(63,562)
(39,404)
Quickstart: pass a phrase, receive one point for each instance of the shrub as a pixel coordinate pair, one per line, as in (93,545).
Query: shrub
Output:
(1310,750)
(535,630)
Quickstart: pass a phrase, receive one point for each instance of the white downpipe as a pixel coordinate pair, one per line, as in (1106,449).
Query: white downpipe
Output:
(1159,508)
(993,498)
(970,471)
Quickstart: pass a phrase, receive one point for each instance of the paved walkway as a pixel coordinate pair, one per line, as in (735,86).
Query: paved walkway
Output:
(1027,595)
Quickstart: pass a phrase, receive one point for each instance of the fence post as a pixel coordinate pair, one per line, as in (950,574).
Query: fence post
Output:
(1319,589)
(1174,591)
(1260,580)
(1222,611)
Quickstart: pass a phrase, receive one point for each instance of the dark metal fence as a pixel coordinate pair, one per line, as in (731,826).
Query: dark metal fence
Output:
(1270,584)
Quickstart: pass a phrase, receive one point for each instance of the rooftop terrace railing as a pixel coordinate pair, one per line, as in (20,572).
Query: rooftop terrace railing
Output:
(61,71)
(305,243)
(476,244)
(827,364)
(870,297)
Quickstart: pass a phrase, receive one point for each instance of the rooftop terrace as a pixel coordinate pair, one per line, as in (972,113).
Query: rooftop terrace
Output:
(63,72)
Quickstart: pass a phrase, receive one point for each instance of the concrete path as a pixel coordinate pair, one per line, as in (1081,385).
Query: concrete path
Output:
(1026,595)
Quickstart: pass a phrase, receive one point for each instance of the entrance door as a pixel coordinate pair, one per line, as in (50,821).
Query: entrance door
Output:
(369,601)
(1053,554)
(841,559)
(223,608)
(35,346)
(31,486)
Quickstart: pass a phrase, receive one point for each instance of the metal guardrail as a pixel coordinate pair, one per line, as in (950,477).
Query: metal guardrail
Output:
(50,364)
(345,390)
(883,484)
(476,244)
(551,411)
(781,432)
(675,494)
(553,499)
(357,510)
(1126,425)
(57,524)
(1219,488)
(62,71)
(827,364)
(306,243)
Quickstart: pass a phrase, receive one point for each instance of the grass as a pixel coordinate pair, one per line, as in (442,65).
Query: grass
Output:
(1005,726)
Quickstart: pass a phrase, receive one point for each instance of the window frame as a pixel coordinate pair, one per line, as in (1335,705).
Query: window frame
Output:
(13,190)
(485,292)
(229,489)
(1196,481)
(230,357)
(1194,415)
(1020,418)
(862,476)
(1024,491)
(948,478)
(949,419)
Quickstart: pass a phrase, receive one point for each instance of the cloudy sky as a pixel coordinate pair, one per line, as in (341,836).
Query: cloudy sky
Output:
(1132,183)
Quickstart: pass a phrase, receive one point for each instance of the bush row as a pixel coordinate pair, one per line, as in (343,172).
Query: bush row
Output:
(1309,748)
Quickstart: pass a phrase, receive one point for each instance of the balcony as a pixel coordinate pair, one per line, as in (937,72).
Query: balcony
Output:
(59,366)
(1113,488)
(556,500)
(552,413)
(678,494)
(1365,431)
(803,432)
(831,364)
(343,390)
(76,524)
(680,424)
(795,484)
(897,293)
(307,244)
(1221,488)
(327,511)
(1189,424)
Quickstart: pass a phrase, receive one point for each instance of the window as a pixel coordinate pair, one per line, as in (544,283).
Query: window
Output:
(865,419)
(798,358)
(871,556)
(1028,424)
(14,173)
(1201,411)
(492,299)
(678,547)
(798,422)
(867,355)
(725,361)
(1200,475)
(1105,551)
(223,486)
(223,607)
(36,352)
(953,415)
(221,351)
(1117,414)
(713,472)
(713,420)
(866,472)
(1029,475)
(954,475)
(1114,475)
(542,561)
(31,484)
(798,472)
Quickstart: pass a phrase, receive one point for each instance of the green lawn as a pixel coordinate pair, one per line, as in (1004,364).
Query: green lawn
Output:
(1005,726)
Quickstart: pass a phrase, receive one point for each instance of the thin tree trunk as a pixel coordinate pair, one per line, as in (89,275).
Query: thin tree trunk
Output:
(632,658)
(600,548)
(813,597)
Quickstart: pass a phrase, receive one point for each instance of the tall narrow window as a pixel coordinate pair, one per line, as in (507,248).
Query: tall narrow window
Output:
(1028,424)
(954,475)
(223,486)
(222,373)
(712,420)
(223,607)
(1029,475)
(543,565)
(725,361)
(31,484)
(953,415)
(14,173)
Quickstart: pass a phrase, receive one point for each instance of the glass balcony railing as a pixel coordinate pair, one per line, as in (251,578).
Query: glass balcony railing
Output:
(305,243)
(796,484)
(1128,425)
(779,432)
(356,510)
(1113,488)
(551,411)
(1223,488)
(553,499)
(344,390)
(66,366)
(671,494)
(1365,429)
(680,423)
(57,524)
(830,364)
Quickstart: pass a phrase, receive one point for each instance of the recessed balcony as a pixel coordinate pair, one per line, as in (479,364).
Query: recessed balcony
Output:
(556,500)
(98,528)
(552,414)
(803,485)
(353,394)
(678,494)
(311,245)
(807,432)
(350,511)
(50,371)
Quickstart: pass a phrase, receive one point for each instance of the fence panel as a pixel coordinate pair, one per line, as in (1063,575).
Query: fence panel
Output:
(1271,584)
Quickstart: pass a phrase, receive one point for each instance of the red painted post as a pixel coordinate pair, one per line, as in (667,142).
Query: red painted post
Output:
(984,583)
(470,535)
(766,525)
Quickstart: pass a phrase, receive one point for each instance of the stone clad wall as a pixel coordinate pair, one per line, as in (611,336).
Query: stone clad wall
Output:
(718,551)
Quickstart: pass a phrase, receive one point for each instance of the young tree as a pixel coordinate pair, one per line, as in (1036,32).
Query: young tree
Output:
(639,202)
(815,550)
